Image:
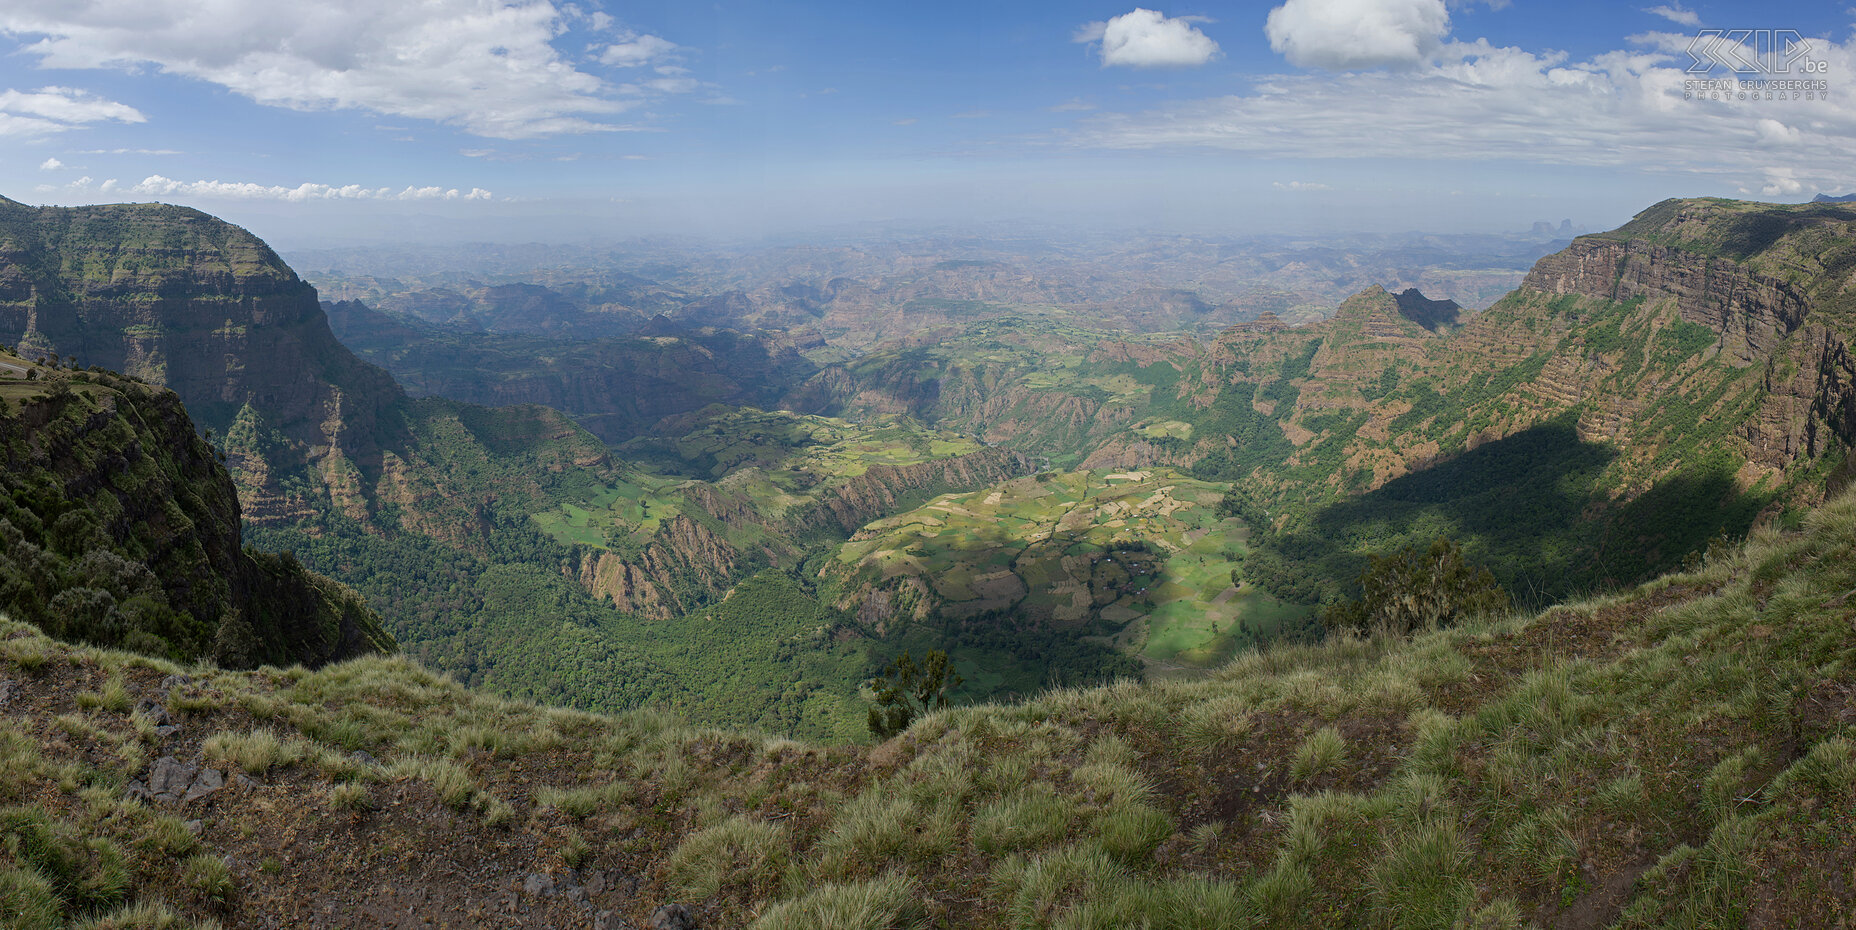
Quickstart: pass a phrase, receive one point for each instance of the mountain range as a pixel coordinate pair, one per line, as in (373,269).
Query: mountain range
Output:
(1645,442)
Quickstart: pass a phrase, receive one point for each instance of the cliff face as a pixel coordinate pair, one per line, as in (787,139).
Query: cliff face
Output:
(187,301)
(1752,312)
(118,526)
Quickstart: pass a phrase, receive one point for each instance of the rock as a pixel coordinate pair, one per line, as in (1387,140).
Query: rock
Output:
(167,731)
(672,917)
(364,757)
(6,691)
(537,883)
(137,791)
(607,920)
(209,781)
(155,713)
(175,782)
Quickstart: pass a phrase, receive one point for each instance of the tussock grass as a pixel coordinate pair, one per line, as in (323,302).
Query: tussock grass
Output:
(209,876)
(884,903)
(734,858)
(112,697)
(257,751)
(351,797)
(1322,752)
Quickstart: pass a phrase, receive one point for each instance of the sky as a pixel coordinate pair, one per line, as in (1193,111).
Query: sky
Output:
(353,121)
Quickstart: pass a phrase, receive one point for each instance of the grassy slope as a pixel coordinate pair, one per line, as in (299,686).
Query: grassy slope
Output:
(1678,756)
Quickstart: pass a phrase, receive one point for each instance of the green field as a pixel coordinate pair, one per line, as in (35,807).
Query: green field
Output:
(1139,559)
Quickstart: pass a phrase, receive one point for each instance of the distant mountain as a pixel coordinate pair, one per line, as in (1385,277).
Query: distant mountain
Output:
(1826,198)
(617,387)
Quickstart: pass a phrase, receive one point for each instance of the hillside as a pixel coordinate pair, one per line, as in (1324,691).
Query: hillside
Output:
(1644,391)
(1679,755)
(119,527)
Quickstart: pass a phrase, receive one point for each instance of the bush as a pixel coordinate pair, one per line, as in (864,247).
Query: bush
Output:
(1418,589)
(905,690)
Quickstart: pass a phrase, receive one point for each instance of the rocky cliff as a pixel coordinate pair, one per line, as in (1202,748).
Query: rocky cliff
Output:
(187,301)
(119,527)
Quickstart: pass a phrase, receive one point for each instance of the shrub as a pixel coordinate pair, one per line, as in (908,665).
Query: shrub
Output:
(1418,589)
(905,690)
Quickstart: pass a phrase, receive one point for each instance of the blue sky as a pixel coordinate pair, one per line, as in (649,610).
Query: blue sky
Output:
(488,119)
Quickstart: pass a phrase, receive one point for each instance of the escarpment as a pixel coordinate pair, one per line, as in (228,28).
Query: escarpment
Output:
(119,527)
(1752,312)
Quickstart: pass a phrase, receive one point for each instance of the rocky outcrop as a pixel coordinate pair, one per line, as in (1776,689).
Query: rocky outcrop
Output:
(1750,311)
(683,566)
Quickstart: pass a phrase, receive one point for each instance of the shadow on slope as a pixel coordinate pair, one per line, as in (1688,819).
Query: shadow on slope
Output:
(1534,507)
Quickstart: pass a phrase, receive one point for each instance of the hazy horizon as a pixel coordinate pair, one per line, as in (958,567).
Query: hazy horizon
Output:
(529,120)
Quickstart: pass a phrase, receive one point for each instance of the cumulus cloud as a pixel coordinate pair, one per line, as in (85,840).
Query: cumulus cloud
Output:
(486,66)
(1344,35)
(50,164)
(1473,101)
(1147,39)
(51,110)
(1300,186)
(632,50)
(1676,14)
(157,186)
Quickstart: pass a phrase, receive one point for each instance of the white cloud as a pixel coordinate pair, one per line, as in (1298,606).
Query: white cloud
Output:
(1300,186)
(633,50)
(158,186)
(50,164)
(486,66)
(1344,35)
(1147,39)
(57,109)
(1073,105)
(905,121)
(1676,14)
(1782,182)
(1622,109)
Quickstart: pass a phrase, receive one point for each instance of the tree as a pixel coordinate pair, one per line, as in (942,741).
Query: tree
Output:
(905,691)
(1417,589)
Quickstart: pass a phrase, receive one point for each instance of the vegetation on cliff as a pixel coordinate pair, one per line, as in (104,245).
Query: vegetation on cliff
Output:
(119,527)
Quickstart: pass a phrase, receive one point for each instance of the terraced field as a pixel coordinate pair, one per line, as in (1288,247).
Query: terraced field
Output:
(1140,559)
